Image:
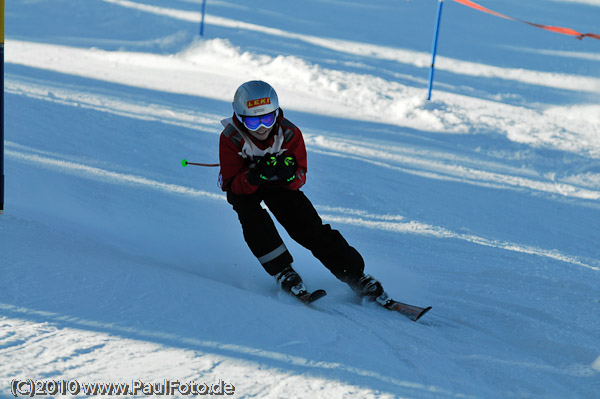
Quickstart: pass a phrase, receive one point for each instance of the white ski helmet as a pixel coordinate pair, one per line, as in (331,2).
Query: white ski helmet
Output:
(255,98)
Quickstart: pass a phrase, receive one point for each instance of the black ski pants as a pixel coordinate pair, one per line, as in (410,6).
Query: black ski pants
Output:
(294,211)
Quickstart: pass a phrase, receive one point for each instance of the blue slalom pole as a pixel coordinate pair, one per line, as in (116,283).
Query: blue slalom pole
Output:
(434,50)
(202,21)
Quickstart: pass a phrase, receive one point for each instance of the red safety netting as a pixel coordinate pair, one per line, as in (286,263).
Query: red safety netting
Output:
(557,29)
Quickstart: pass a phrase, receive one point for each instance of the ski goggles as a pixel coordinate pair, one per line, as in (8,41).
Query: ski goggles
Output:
(254,122)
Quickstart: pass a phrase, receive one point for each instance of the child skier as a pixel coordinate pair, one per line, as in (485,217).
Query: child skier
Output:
(263,159)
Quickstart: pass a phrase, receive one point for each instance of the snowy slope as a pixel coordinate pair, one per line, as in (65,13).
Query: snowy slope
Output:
(118,265)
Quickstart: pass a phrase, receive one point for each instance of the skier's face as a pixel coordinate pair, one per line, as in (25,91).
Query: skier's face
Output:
(262,132)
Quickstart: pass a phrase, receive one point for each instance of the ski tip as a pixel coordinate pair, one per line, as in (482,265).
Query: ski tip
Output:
(309,298)
(417,317)
(318,294)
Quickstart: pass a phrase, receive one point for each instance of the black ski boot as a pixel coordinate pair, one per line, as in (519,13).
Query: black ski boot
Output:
(366,286)
(290,281)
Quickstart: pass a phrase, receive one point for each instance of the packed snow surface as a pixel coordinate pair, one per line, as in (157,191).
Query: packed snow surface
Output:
(120,266)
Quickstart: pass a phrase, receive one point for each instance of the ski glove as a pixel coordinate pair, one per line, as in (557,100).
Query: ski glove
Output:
(263,170)
(286,168)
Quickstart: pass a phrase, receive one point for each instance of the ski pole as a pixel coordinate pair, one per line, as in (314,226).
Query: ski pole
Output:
(434,47)
(202,21)
(185,163)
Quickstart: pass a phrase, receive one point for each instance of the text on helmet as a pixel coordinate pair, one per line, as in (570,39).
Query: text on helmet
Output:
(258,102)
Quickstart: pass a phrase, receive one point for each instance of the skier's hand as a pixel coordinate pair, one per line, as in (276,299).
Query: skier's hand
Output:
(286,168)
(263,170)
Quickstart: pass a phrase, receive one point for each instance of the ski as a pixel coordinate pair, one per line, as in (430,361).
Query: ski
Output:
(310,297)
(412,312)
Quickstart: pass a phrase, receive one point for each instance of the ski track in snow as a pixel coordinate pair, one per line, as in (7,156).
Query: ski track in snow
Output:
(418,59)
(88,346)
(422,162)
(333,93)
(395,223)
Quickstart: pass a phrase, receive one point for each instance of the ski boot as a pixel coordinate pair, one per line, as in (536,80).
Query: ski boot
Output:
(290,281)
(367,286)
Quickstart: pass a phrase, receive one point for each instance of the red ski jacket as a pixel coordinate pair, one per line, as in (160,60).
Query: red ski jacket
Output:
(238,149)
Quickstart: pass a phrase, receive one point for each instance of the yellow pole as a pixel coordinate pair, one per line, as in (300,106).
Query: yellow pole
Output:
(2,108)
